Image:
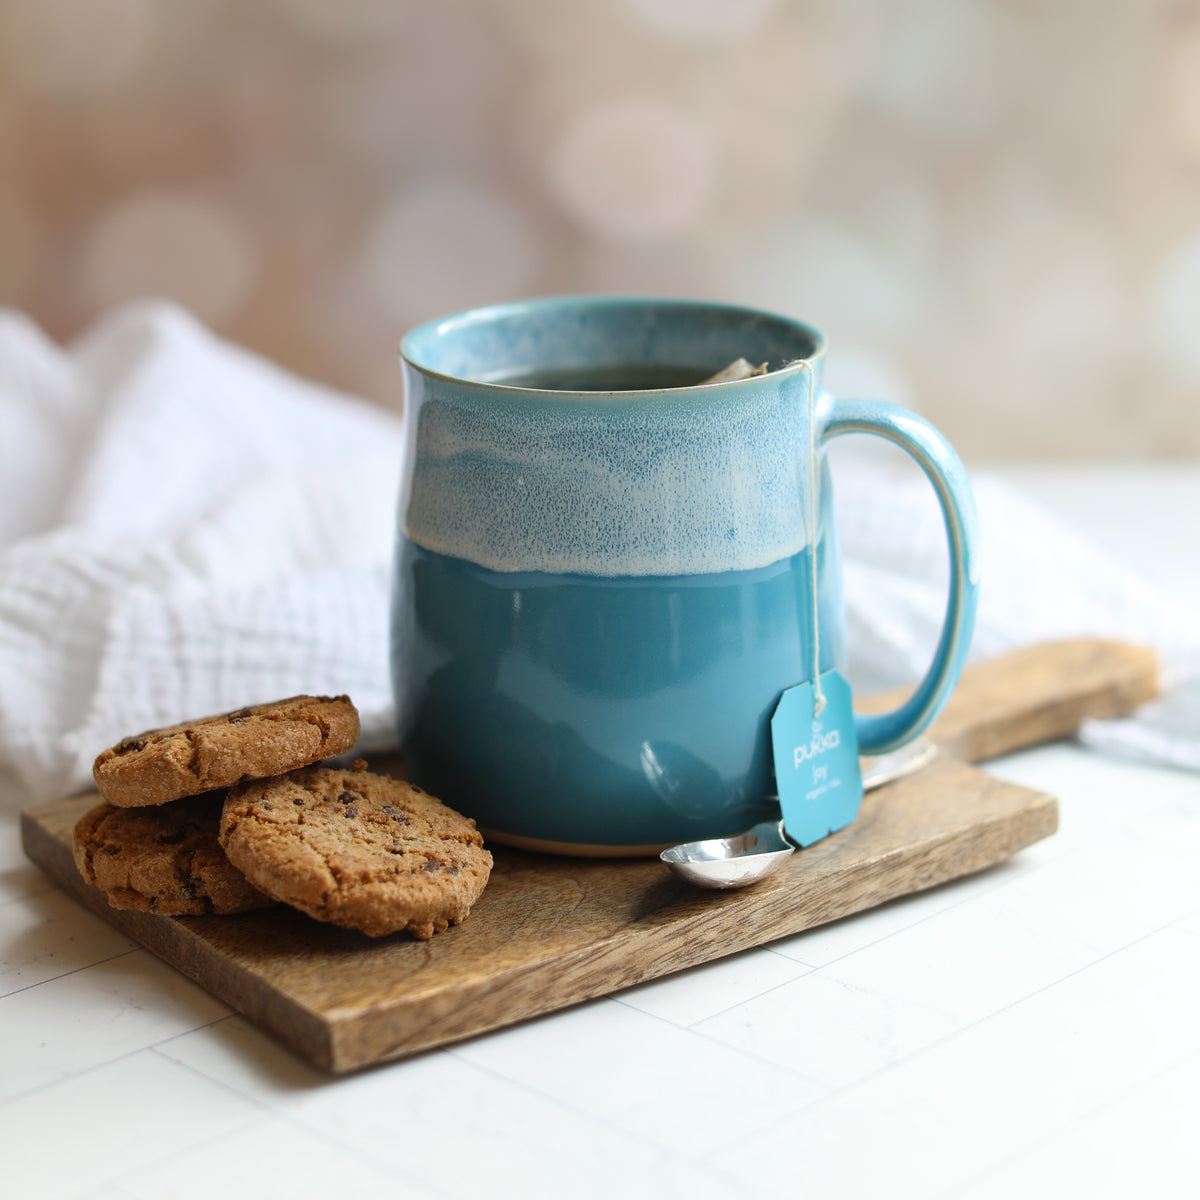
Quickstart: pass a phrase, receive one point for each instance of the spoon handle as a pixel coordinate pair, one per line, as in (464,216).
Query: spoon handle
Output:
(886,768)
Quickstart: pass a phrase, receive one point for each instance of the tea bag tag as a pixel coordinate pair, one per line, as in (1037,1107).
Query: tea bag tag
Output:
(816,758)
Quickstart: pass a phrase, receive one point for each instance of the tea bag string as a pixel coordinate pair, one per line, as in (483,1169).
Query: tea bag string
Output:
(818,695)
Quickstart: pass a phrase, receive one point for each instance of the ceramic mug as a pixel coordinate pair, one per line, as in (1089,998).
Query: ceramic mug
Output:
(603,570)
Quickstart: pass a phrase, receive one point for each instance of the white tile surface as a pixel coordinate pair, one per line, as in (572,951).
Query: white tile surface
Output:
(975,1099)
(297,1161)
(1043,924)
(93,1016)
(691,996)
(234,1052)
(826,943)
(77,1136)
(1190,923)
(1143,1144)
(103,1191)
(47,934)
(451,1126)
(828,1030)
(1099,796)
(644,1075)
(900,993)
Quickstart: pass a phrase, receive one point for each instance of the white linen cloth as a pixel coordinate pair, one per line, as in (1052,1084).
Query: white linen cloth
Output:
(186,528)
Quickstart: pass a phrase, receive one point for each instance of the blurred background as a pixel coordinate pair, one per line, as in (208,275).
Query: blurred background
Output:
(991,206)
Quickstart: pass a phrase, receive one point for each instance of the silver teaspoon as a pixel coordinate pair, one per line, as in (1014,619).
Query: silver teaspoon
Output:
(734,862)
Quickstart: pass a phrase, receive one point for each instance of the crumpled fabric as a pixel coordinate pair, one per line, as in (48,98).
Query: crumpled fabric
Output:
(186,529)
(1041,581)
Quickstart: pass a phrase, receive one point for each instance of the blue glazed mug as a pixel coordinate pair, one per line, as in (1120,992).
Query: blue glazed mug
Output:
(603,569)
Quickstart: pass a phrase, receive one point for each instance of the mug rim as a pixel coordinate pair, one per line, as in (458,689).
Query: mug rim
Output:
(494,312)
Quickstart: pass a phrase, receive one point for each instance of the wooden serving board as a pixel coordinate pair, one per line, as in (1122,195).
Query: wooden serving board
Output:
(549,932)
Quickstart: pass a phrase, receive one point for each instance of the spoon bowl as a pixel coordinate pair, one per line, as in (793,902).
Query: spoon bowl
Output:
(737,861)
(731,862)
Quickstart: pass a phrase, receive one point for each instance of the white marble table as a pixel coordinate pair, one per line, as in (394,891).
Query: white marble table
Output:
(1030,1031)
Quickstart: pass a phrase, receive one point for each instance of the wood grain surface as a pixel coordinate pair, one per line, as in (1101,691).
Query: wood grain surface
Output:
(1037,695)
(550,932)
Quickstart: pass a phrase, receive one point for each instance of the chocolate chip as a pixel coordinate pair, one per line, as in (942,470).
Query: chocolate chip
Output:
(266,804)
(431,865)
(172,838)
(130,744)
(242,714)
(347,798)
(298,800)
(351,811)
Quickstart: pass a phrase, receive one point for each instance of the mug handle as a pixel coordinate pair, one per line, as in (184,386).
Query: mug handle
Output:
(880,733)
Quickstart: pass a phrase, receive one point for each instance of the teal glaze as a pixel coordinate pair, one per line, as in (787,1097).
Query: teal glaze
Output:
(600,596)
(592,710)
(933,454)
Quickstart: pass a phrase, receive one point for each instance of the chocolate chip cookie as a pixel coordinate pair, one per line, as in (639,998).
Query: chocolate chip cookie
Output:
(164,859)
(217,752)
(357,849)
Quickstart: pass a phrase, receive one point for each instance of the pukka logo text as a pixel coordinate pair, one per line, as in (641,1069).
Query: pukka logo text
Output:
(821,743)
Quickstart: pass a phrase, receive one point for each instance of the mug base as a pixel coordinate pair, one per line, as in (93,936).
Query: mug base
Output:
(572,849)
